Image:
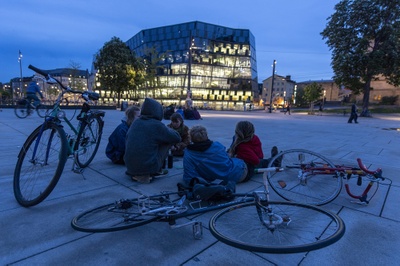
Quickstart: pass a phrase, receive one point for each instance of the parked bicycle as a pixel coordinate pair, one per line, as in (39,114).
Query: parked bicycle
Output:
(42,158)
(251,221)
(310,178)
(24,108)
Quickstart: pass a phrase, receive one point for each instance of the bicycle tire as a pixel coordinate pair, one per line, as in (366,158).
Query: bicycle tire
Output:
(303,227)
(88,140)
(120,215)
(21,110)
(34,176)
(41,110)
(308,187)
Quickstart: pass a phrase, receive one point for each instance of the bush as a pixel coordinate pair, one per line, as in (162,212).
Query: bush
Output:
(389,100)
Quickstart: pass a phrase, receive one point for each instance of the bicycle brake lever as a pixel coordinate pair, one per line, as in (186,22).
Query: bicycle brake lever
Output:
(181,201)
(51,80)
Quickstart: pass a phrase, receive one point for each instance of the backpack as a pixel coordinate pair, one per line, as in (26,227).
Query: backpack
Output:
(200,189)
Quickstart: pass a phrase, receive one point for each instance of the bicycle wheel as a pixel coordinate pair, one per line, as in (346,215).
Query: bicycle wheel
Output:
(21,109)
(301,181)
(41,110)
(121,215)
(88,140)
(40,164)
(280,227)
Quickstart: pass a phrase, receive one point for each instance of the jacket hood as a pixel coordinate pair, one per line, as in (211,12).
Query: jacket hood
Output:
(151,109)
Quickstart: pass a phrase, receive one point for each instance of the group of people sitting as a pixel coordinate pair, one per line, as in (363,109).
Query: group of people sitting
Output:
(148,142)
(187,112)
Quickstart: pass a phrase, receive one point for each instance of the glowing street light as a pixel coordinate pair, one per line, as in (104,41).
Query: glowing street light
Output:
(20,71)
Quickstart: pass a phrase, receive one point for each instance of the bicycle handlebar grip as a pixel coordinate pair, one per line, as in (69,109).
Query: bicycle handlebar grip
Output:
(362,167)
(37,70)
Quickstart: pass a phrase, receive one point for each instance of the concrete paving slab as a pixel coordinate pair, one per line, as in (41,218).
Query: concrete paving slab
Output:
(43,235)
(369,240)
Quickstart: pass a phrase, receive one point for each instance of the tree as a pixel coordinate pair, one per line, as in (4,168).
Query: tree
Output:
(312,93)
(75,83)
(364,36)
(117,66)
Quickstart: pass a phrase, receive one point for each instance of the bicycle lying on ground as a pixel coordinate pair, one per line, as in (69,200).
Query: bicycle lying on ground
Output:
(310,178)
(250,221)
(42,158)
(24,108)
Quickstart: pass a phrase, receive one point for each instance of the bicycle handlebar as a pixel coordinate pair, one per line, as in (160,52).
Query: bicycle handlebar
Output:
(87,95)
(270,169)
(37,70)
(362,167)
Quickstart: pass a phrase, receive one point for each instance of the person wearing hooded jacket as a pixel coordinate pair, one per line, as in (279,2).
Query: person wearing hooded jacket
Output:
(148,142)
(208,160)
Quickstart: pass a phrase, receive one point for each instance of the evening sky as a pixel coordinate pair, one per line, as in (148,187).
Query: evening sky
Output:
(52,34)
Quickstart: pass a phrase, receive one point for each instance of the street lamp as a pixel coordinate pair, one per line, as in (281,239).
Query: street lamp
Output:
(272,85)
(20,70)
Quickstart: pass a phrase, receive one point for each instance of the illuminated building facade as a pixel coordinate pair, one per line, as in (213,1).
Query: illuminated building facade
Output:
(216,64)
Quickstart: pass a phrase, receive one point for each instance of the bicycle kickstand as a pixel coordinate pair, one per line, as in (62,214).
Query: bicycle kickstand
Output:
(75,167)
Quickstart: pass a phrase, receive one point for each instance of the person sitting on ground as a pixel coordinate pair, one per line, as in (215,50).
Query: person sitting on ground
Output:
(169,110)
(247,146)
(196,114)
(180,111)
(188,113)
(209,160)
(148,142)
(178,125)
(115,149)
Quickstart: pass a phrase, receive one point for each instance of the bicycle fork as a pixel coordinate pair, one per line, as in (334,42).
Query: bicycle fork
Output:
(272,220)
(34,160)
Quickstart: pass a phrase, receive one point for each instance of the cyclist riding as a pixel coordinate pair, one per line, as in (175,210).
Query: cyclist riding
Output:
(31,91)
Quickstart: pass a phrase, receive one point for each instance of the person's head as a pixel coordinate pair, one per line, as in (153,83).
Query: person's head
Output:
(176,120)
(198,134)
(132,113)
(151,109)
(244,131)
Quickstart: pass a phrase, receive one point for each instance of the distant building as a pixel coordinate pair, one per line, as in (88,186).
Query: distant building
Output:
(282,92)
(216,64)
(74,78)
(331,91)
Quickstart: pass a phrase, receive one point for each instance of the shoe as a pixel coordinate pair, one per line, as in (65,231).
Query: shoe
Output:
(160,173)
(143,179)
(356,122)
(349,122)
(274,151)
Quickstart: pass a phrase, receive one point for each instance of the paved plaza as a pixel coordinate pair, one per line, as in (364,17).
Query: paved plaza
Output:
(42,235)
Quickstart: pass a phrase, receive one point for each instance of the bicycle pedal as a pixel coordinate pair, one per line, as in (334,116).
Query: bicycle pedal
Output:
(197,230)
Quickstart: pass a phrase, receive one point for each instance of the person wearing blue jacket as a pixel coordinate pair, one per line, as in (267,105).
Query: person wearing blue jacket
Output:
(31,91)
(115,149)
(209,160)
(148,142)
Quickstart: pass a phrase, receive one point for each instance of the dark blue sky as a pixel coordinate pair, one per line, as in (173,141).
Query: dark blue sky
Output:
(52,34)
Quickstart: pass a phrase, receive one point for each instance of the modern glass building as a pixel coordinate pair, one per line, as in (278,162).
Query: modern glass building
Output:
(215,64)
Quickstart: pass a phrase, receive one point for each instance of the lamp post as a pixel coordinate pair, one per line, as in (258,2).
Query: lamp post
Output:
(272,85)
(20,71)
